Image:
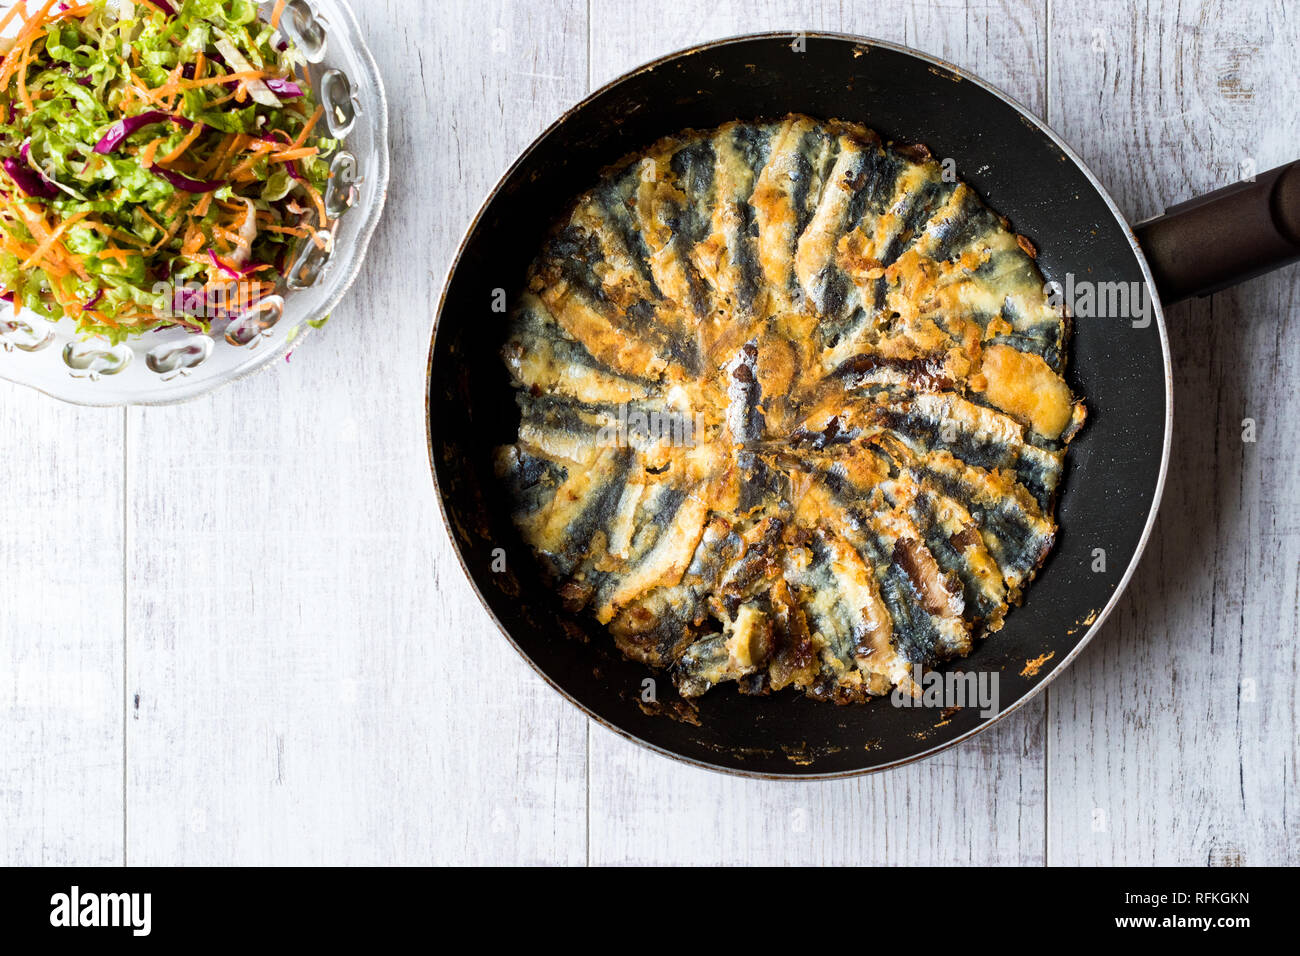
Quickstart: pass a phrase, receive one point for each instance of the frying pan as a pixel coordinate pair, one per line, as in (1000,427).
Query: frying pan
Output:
(1119,362)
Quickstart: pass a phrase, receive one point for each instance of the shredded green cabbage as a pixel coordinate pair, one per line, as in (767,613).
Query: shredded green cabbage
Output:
(200,197)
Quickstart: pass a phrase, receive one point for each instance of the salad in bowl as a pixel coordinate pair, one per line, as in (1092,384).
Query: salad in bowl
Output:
(170,166)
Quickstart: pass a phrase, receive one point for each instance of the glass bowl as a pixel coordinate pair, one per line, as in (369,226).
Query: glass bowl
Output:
(174,365)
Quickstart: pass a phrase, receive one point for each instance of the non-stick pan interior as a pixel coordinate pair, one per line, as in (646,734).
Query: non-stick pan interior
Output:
(1115,465)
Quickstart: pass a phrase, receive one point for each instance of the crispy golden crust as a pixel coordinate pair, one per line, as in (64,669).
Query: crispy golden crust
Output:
(793,410)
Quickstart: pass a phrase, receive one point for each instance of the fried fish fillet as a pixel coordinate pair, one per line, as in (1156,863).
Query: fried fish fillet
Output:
(793,410)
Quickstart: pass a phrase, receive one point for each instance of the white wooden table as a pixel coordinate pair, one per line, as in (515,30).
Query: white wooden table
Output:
(234,631)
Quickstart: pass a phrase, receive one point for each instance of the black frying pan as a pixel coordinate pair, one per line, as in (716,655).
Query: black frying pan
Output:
(1116,466)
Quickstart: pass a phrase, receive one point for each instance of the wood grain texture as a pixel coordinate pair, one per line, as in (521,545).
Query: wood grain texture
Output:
(296,670)
(1001,40)
(60,632)
(316,682)
(1173,739)
(647,810)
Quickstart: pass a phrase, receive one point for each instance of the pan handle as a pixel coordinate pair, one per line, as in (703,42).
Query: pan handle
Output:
(1228,236)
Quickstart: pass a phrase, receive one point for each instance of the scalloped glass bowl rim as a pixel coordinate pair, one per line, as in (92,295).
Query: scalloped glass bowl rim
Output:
(345,266)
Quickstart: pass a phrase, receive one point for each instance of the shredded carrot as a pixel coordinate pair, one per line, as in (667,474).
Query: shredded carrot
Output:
(143,91)
(20,54)
(120,254)
(35,232)
(311,124)
(24,39)
(219,155)
(241,144)
(193,241)
(289,230)
(144,214)
(233,238)
(52,238)
(250,162)
(173,208)
(19,249)
(22,73)
(172,77)
(166,238)
(112,233)
(316,198)
(36,223)
(185,144)
(291,154)
(197,82)
(51,269)
(13,11)
(222,100)
(147,154)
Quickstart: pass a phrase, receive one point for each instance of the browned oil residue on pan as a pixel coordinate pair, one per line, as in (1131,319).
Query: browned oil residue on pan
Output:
(1032,667)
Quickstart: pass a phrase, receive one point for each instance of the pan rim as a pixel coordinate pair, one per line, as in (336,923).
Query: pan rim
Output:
(1037,123)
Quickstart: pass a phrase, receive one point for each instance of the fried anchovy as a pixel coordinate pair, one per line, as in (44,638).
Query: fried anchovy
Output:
(792,410)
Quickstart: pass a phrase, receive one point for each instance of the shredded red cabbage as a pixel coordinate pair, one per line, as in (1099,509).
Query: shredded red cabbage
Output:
(29,180)
(185,184)
(232,271)
(120,130)
(26,153)
(285,88)
(194,301)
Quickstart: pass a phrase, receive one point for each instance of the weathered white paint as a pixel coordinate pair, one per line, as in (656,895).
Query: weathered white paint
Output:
(1177,728)
(316,682)
(61,693)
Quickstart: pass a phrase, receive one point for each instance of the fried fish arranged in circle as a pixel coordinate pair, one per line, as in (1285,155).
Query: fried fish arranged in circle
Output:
(793,410)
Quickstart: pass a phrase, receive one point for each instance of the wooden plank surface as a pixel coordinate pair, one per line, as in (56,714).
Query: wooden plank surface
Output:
(317,683)
(1173,739)
(297,672)
(61,634)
